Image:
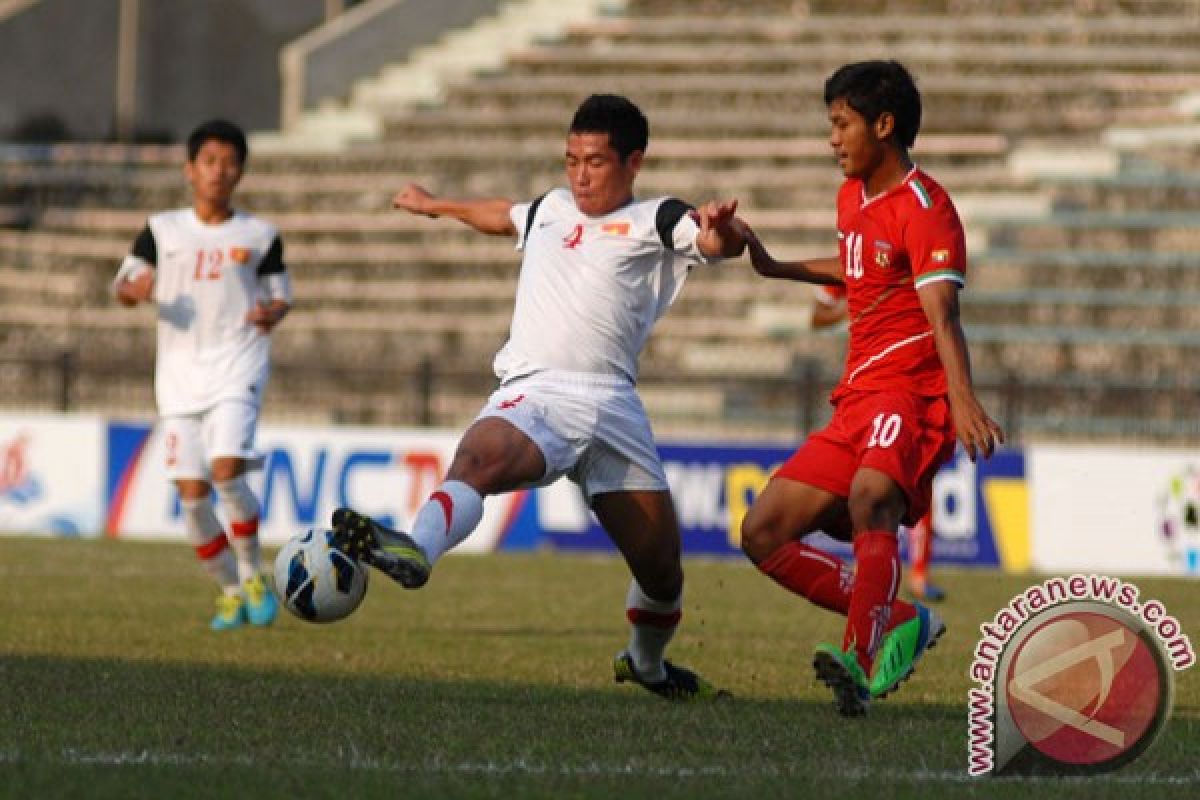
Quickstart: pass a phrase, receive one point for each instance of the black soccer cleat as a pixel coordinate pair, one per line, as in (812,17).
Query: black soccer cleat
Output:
(391,552)
(681,684)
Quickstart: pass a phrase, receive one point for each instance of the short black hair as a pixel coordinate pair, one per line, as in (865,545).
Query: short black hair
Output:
(873,87)
(617,116)
(223,131)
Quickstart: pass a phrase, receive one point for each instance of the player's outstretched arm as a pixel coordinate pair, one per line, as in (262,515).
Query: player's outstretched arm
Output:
(826,271)
(977,431)
(486,216)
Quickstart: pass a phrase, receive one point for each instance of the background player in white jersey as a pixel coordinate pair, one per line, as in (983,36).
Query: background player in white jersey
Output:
(599,268)
(218,278)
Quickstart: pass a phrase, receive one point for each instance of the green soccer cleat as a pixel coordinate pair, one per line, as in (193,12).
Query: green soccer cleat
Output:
(231,613)
(681,684)
(902,647)
(261,605)
(392,552)
(840,671)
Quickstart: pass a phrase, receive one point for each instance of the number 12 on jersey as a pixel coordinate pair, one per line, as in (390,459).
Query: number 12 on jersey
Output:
(208,265)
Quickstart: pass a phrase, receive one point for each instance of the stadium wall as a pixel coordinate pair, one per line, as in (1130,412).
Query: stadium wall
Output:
(60,65)
(1046,507)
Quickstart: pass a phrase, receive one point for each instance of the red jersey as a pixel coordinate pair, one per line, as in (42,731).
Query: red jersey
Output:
(890,246)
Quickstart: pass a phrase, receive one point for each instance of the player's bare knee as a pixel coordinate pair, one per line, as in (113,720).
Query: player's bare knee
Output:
(874,508)
(759,539)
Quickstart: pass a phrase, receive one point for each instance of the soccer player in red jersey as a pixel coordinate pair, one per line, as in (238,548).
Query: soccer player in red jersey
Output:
(905,395)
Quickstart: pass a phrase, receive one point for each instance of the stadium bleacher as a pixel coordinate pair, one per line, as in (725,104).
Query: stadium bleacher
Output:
(1078,279)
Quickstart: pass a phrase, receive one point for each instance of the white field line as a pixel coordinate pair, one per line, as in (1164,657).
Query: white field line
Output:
(354,762)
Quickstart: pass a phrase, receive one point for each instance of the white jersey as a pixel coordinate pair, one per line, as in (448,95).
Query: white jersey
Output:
(208,278)
(591,288)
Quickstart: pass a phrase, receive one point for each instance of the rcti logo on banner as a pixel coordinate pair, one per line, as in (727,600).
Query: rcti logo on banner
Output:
(1076,676)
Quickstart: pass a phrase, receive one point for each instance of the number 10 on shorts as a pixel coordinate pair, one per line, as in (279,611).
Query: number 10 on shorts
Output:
(884,430)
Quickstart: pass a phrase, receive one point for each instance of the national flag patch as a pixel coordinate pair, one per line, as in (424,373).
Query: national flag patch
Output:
(940,256)
(239,255)
(616,228)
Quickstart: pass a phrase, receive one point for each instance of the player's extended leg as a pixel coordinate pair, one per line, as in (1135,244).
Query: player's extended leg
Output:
(492,457)
(241,509)
(643,526)
(207,537)
(787,510)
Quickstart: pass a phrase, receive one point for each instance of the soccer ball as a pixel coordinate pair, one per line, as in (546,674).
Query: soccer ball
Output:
(318,582)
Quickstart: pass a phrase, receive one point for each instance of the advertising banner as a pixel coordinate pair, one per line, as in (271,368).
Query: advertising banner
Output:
(1116,510)
(980,510)
(50,474)
(306,473)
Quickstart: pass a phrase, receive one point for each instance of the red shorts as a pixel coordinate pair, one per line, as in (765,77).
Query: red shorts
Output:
(903,435)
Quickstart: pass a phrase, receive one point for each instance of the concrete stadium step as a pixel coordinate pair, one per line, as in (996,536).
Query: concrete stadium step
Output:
(959,58)
(899,9)
(944,95)
(1127,191)
(1125,269)
(858,29)
(1094,230)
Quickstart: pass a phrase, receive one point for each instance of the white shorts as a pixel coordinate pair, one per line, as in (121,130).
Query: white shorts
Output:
(192,441)
(591,428)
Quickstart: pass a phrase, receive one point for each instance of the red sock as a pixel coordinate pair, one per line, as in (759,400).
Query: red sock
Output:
(918,545)
(876,579)
(821,577)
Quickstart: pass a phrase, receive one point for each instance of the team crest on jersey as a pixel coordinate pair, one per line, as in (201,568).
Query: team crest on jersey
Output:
(240,255)
(883,254)
(616,228)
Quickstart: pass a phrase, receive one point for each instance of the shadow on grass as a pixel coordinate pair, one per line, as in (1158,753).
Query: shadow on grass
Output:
(111,727)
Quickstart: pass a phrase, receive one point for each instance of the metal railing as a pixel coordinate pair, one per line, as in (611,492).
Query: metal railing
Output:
(786,406)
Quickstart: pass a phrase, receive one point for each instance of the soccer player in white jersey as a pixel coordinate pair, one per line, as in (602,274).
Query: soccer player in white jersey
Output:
(599,268)
(218,278)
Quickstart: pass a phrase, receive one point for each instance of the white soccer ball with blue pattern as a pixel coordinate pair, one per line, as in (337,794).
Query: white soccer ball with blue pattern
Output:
(318,582)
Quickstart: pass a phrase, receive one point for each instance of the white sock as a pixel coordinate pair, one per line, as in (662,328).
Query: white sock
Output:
(653,623)
(241,509)
(448,517)
(205,534)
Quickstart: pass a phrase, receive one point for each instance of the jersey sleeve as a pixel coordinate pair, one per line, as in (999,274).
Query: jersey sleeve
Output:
(145,248)
(936,244)
(272,262)
(675,225)
(142,257)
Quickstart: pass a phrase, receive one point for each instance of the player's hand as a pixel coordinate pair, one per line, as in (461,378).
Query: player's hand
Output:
(138,289)
(266,316)
(979,433)
(415,200)
(718,236)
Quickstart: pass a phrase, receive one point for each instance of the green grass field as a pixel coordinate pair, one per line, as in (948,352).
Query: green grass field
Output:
(493,681)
